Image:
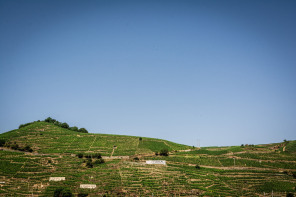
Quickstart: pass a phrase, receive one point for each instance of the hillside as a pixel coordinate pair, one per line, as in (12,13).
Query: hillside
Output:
(247,170)
(48,138)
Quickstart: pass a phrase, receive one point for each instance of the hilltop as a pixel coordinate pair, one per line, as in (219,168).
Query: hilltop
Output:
(48,138)
(39,150)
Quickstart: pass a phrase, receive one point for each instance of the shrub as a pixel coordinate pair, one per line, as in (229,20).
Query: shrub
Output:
(65,125)
(15,146)
(156,153)
(24,125)
(140,139)
(82,195)
(79,155)
(21,126)
(50,120)
(58,123)
(97,156)
(197,166)
(2,142)
(136,159)
(28,148)
(82,130)
(89,163)
(99,161)
(164,152)
(62,192)
(290,195)
(74,128)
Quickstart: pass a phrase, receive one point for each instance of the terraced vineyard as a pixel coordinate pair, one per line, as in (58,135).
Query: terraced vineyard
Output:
(262,170)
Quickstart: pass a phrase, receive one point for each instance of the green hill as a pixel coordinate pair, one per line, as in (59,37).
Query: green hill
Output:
(47,138)
(40,150)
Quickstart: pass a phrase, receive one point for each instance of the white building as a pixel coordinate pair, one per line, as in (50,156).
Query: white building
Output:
(159,162)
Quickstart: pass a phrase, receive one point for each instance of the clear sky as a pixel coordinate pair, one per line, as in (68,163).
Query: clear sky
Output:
(223,72)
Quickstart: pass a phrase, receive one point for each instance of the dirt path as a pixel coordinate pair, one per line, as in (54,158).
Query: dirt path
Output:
(264,160)
(241,168)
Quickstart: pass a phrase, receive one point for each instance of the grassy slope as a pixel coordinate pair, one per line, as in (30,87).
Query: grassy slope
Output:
(291,147)
(49,138)
(256,170)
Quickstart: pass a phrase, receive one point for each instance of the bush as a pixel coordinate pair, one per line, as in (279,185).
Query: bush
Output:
(15,146)
(97,156)
(24,125)
(50,120)
(197,166)
(290,195)
(164,152)
(82,195)
(65,125)
(82,130)
(99,161)
(62,192)
(57,123)
(89,163)
(79,155)
(28,148)
(2,142)
(136,159)
(74,128)
(156,153)
(140,139)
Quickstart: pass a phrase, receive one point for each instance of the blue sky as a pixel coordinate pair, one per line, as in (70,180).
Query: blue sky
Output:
(223,72)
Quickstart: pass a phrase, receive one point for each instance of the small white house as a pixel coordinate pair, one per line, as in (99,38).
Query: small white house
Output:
(159,162)
(57,178)
(88,186)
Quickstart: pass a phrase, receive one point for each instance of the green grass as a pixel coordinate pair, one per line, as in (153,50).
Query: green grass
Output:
(291,147)
(258,169)
(49,139)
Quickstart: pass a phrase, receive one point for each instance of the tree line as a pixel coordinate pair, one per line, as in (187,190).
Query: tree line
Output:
(65,125)
(59,124)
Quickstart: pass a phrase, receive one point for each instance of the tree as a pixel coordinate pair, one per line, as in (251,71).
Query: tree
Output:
(2,142)
(82,130)
(99,161)
(82,194)
(62,192)
(290,195)
(15,146)
(97,156)
(58,123)
(89,163)
(74,128)
(79,155)
(50,120)
(164,152)
(28,148)
(65,125)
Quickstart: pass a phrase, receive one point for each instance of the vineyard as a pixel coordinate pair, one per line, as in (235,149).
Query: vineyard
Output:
(261,170)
